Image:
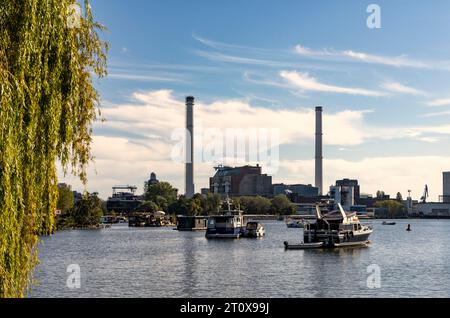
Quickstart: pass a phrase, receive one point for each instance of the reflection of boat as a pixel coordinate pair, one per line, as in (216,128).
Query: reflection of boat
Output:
(294,224)
(335,229)
(254,229)
(388,223)
(228,225)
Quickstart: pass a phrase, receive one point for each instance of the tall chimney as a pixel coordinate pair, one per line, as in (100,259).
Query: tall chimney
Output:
(319,157)
(189,182)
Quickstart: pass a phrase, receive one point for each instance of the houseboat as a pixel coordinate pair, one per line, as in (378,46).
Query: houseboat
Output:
(192,223)
(228,225)
(334,229)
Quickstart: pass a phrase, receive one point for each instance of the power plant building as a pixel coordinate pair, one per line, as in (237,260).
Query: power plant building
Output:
(240,181)
(301,190)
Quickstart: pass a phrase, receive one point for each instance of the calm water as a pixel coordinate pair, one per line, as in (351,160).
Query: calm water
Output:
(161,262)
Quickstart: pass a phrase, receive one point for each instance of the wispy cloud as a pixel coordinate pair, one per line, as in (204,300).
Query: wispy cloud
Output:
(439,102)
(143,78)
(437,114)
(396,61)
(395,87)
(305,82)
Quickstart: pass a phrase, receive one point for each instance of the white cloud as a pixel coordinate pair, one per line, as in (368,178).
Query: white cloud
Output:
(439,102)
(122,159)
(305,82)
(395,61)
(402,89)
(398,61)
(390,174)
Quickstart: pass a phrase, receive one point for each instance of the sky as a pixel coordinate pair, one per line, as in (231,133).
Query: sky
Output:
(266,65)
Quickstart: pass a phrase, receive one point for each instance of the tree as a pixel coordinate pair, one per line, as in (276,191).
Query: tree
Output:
(179,207)
(65,199)
(395,208)
(399,197)
(380,194)
(161,189)
(255,205)
(211,203)
(147,206)
(88,211)
(48,104)
(194,205)
(282,205)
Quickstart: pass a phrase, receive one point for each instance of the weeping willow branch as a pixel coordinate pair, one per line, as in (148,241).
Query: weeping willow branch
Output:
(47,106)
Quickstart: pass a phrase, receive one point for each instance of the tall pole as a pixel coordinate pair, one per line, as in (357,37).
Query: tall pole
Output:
(319,156)
(189,177)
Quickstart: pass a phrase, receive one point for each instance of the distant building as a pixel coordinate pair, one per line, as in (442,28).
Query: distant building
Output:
(240,181)
(204,191)
(123,202)
(346,192)
(445,198)
(150,181)
(432,210)
(301,190)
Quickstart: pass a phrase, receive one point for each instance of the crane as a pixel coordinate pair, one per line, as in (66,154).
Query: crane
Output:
(423,199)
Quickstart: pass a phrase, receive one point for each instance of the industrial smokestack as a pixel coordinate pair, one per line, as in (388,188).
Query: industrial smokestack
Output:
(189,181)
(446,187)
(319,157)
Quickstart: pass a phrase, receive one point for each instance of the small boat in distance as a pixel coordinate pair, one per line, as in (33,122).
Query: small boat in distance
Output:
(335,229)
(254,229)
(294,224)
(388,223)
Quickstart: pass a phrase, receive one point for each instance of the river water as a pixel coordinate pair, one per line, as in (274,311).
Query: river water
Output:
(161,262)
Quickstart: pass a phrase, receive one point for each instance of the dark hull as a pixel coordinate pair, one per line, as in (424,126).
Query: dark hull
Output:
(338,241)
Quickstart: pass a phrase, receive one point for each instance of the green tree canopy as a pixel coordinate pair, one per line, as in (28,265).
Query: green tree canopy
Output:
(395,209)
(65,198)
(161,189)
(282,205)
(48,104)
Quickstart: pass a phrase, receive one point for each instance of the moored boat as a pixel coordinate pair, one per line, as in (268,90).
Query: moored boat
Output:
(294,224)
(254,229)
(335,229)
(228,225)
(388,223)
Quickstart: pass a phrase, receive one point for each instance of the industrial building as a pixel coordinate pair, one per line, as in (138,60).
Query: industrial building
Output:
(151,181)
(439,209)
(240,181)
(123,202)
(346,192)
(302,190)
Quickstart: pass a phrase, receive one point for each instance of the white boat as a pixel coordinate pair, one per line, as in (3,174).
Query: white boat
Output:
(254,229)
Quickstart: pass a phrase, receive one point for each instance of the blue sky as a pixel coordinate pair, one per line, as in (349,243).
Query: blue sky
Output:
(386,91)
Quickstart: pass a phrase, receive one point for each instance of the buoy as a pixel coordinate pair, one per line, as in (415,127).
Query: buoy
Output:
(408,228)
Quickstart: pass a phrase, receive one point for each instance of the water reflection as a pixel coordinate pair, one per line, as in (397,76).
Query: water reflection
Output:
(160,262)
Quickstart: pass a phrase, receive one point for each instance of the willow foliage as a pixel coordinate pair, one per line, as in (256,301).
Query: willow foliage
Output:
(48,104)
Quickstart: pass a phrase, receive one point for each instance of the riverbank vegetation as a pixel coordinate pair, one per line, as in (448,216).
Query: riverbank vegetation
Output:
(162,196)
(86,213)
(48,55)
